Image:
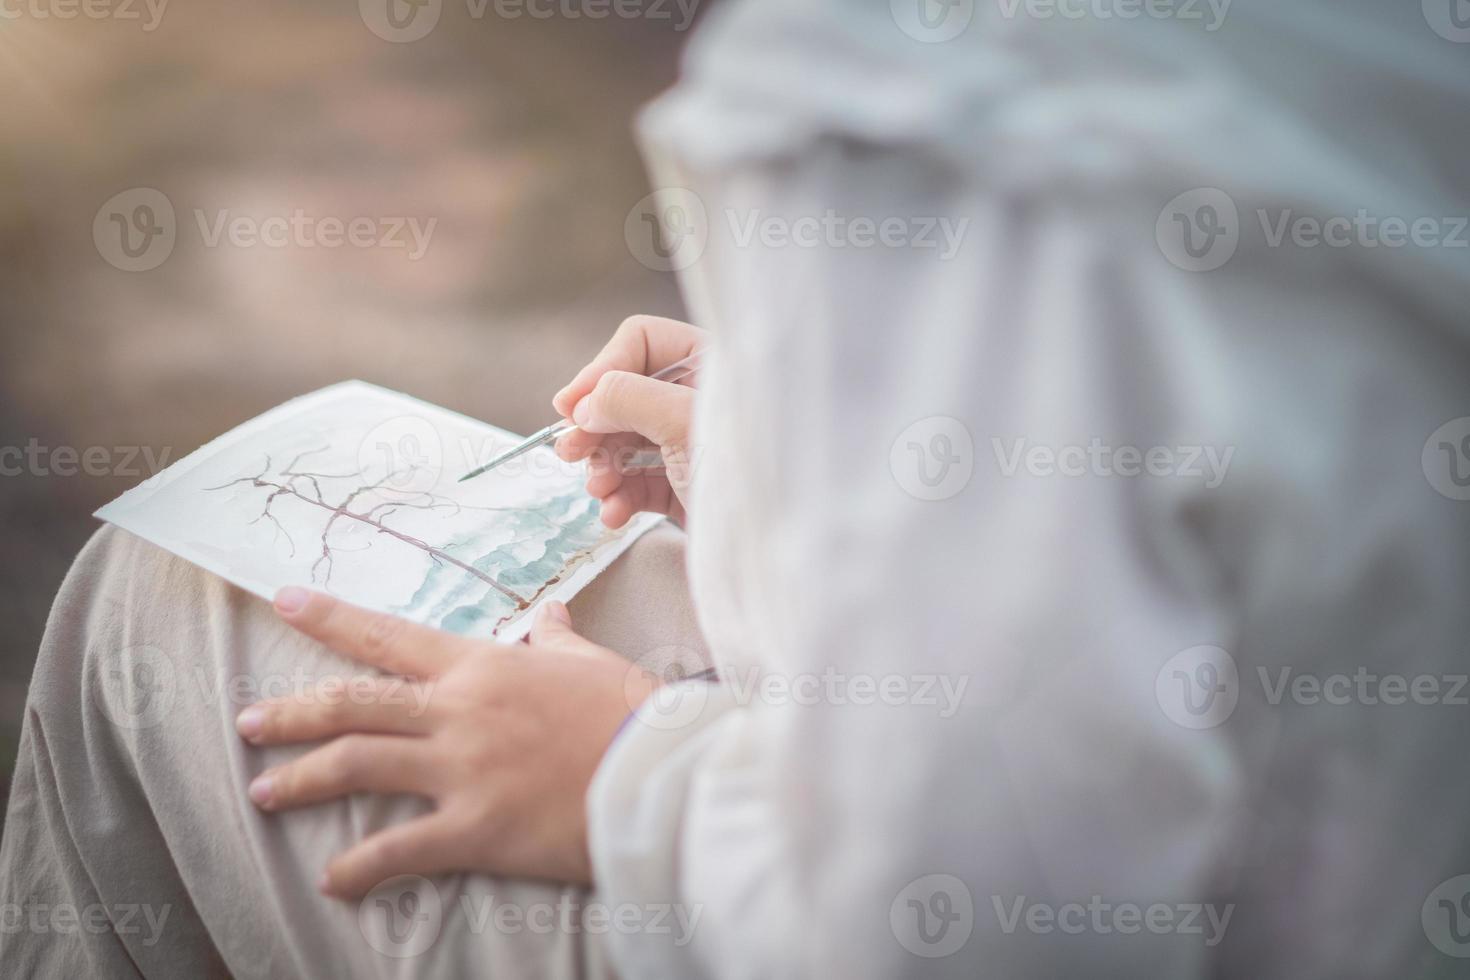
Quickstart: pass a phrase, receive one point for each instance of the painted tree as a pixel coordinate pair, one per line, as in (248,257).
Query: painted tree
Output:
(294,483)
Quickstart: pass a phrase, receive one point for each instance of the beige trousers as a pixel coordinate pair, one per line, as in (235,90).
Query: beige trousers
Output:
(131,850)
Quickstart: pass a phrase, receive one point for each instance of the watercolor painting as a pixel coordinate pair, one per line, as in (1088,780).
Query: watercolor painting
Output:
(353,490)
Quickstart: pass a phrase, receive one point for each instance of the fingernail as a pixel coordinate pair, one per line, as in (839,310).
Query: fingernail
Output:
(558,611)
(250,721)
(291,599)
(324,884)
(260,790)
(582,412)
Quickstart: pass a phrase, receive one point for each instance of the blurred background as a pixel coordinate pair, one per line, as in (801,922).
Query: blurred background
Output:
(510,132)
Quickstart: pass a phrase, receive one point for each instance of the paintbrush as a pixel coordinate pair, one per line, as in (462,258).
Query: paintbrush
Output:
(674,372)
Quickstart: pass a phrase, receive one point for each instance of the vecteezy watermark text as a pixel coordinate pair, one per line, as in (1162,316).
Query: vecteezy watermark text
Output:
(1100,917)
(661,702)
(681,12)
(669,230)
(832,229)
(404,916)
(135,230)
(67,919)
(1362,230)
(1207,463)
(306,231)
(148,13)
(1200,688)
(406,21)
(943,692)
(1210,13)
(36,459)
(1201,229)
(1363,686)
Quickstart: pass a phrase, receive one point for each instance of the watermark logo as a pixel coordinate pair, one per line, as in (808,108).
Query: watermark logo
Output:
(1446,917)
(402,916)
(136,689)
(1199,230)
(660,697)
(400,21)
(667,231)
(1446,459)
(932,21)
(542,462)
(934,458)
(933,916)
(403,453)
(135,229)
(1450,19)
(1198,688)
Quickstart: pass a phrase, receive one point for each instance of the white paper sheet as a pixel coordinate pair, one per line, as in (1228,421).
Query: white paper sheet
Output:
(352,490)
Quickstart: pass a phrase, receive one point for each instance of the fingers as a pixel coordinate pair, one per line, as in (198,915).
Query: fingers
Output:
(619,449)
(642,345)
(552,621)
(603,480)
(624,402)
(623,495)
(628,475)
(553,630)
(637,494)
(389,643)
(350,764)
(431,844)
(618,508)
(385,705)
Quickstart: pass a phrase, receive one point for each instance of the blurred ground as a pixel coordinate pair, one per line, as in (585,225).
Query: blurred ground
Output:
(514,133)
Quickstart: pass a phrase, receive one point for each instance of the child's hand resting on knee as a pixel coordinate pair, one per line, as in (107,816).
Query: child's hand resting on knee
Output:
(621,412)
(503,738)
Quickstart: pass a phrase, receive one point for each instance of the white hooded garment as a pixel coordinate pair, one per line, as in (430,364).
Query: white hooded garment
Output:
(1105,552)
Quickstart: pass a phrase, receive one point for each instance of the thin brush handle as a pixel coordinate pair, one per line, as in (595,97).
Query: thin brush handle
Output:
(671,373)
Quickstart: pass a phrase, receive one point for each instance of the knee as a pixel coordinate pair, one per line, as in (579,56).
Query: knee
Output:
(131,635)
(94,657)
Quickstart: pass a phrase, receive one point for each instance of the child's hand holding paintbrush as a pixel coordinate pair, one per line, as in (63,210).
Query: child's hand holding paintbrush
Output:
(635,396)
